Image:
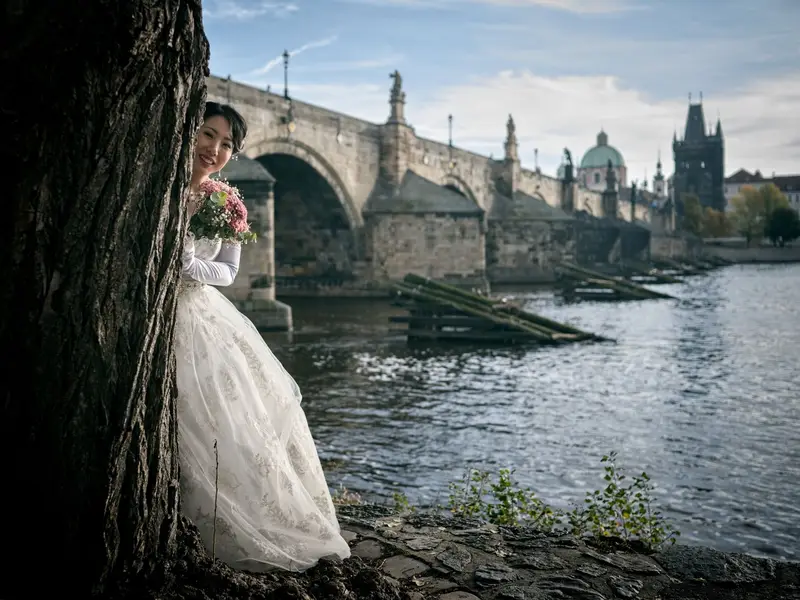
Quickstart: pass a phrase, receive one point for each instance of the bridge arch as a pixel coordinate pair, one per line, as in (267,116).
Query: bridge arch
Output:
(314,159)
(317,226)
(457,184)
(538,196)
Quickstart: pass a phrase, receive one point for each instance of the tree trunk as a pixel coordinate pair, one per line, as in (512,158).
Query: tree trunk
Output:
(100,104)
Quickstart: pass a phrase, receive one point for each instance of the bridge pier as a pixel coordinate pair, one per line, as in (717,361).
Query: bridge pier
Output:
(253,291)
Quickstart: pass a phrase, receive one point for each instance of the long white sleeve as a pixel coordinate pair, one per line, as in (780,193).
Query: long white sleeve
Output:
(220,272)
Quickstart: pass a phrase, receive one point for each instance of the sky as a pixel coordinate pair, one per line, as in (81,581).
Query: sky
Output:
(565,69)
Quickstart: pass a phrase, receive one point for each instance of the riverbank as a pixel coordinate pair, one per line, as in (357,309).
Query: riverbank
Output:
(426,556)
(754,255)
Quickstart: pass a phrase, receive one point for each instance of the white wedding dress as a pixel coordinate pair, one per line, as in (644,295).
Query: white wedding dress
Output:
(274,507)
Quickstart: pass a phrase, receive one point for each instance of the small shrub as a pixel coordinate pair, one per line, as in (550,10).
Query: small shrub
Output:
(401,503)
(500,502)
(624,509)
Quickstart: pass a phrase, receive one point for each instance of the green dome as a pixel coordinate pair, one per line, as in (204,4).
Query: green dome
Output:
(601,154)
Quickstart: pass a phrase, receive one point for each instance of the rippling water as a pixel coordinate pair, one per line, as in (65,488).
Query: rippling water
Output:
(702,392)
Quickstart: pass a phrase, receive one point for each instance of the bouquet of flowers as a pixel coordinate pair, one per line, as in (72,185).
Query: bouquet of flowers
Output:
(221,214)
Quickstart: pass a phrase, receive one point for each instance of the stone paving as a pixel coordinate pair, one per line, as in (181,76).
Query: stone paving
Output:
(430,556)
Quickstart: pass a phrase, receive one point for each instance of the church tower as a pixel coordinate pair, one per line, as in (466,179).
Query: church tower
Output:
(659,183)
(699,161)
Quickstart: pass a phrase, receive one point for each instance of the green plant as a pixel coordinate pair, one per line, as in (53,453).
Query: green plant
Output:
(500,502)
(624,509)
(401,503)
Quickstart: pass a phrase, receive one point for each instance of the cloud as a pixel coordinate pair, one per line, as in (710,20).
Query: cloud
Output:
(722,50)
(279,59)
(392,61)
(573,6)
(251,9)
(759,117)
(568,111)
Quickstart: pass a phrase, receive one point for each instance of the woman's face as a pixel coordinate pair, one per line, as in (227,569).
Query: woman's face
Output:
(214,146)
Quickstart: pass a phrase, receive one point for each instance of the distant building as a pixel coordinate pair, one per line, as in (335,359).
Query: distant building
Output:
(788,184)
(740,179)
(592,170)
(660,184)
(699,161)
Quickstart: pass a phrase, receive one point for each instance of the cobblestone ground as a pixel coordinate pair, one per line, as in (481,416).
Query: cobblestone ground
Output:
(434,557)
(421,556)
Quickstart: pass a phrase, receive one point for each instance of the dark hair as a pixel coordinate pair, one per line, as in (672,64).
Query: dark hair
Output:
(234,119)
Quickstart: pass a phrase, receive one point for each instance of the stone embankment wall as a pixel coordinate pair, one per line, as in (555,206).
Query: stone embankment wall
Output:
(755,255)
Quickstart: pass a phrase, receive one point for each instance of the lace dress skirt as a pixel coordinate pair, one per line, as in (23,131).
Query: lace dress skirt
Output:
(273,503)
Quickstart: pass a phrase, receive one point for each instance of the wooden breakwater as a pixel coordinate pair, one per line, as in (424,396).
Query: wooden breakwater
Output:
(644,273)
(441,312)
(578,283)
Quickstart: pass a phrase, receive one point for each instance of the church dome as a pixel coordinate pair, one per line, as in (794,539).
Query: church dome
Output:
(599,155)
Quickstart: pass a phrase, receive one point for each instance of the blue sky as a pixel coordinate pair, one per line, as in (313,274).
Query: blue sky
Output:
(563,68)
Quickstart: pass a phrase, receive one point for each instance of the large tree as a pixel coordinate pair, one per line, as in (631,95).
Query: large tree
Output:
(692,214)
(783,226)
(100,104)
(752,208)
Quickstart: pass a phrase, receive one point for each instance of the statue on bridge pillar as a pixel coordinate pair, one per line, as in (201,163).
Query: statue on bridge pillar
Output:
(569,174)
(633,201)
(397,88)
(610,199)
(512,151)
(397,99)
(611,178)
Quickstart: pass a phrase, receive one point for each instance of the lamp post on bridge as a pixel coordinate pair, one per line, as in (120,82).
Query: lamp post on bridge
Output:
(286,74)
(452,162)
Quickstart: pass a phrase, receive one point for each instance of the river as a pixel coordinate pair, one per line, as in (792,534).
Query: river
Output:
(702,392)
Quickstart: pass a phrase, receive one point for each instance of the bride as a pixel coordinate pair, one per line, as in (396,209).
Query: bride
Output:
(238,405)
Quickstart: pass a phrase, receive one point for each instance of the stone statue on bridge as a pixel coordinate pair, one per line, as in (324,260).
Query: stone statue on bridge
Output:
(396,99)
(511,128)
(397,88)
(611,177)
(568,167)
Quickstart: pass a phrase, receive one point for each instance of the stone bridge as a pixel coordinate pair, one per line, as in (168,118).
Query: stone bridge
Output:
(358,203)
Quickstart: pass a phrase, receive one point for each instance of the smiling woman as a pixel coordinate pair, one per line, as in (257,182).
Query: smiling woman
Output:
(221,135)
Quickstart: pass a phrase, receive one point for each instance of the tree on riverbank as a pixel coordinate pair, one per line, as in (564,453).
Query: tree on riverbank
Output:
(783,226)
(692,214)
(100,108)
(705,222)
(716,223)
(753,207)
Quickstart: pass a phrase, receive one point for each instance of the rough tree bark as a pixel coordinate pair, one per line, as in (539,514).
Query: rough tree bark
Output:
(100,103)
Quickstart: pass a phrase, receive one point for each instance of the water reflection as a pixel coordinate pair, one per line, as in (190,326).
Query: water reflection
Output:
(700,391)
